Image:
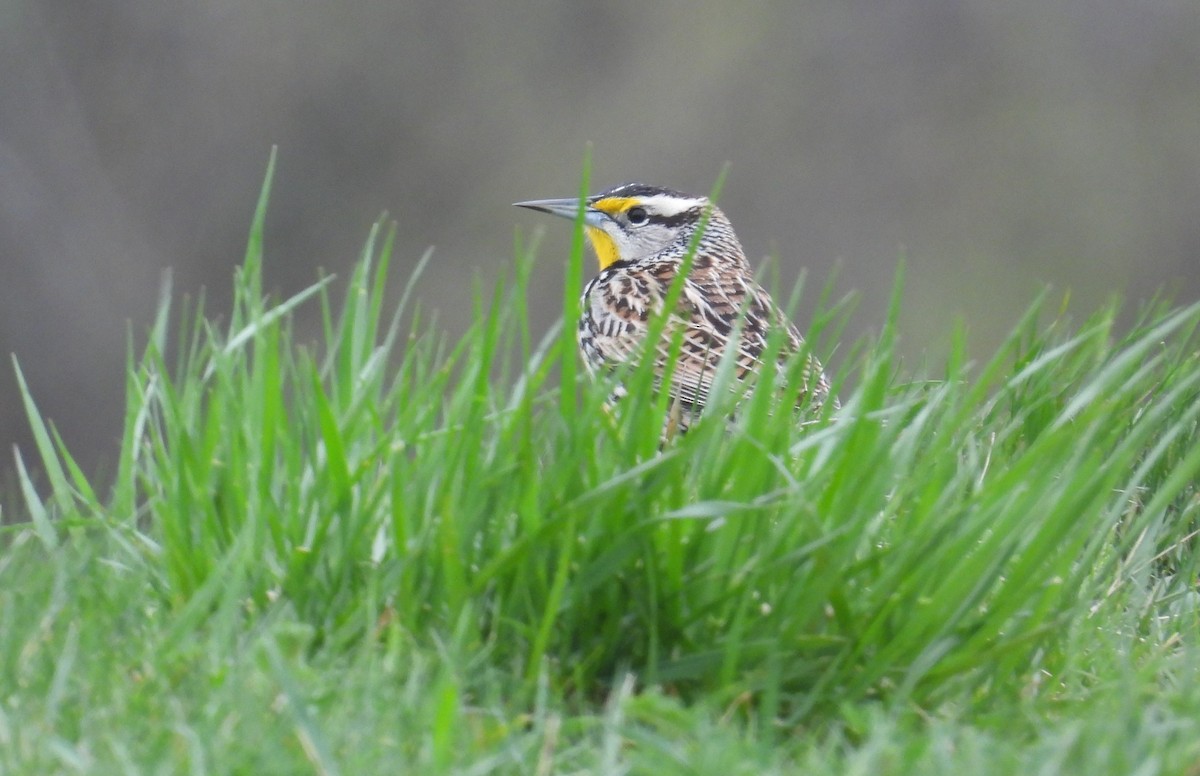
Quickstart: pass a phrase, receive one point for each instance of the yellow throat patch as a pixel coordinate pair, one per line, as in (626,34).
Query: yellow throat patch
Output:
(602,244)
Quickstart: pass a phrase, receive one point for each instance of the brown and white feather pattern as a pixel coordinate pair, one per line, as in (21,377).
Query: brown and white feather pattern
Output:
(721,303)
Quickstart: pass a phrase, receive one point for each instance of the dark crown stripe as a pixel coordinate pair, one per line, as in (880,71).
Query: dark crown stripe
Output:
(640,190)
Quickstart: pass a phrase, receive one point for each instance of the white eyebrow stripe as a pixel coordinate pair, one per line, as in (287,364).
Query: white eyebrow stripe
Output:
(671,206)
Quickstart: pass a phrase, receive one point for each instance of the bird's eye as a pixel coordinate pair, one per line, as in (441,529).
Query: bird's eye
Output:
(637,216)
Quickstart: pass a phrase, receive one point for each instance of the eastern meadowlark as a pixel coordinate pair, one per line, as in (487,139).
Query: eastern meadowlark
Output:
(641,235)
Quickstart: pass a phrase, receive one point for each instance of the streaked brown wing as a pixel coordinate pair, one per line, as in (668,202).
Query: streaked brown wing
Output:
(708,314)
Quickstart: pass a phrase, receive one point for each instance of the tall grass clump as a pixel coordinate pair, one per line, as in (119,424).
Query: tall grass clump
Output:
(1014,533)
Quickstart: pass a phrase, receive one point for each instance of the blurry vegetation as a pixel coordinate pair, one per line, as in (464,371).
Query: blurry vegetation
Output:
(998,146)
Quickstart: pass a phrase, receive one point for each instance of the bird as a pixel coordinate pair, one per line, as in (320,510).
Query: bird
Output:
(641,235)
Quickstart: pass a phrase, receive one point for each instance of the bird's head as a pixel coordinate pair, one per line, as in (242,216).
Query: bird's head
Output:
(633,220)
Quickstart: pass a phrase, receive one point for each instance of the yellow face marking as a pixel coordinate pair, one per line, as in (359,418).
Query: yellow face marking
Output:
(603,245)
(614,205)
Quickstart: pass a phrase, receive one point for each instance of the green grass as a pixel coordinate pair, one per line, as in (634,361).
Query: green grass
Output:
(388,552)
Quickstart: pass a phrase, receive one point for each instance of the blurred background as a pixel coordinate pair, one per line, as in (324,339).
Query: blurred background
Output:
(998,147)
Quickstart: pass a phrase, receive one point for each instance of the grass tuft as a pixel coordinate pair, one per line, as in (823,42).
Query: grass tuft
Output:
(387,550)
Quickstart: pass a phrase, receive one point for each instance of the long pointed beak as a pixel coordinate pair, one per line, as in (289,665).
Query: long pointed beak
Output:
(565,208)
